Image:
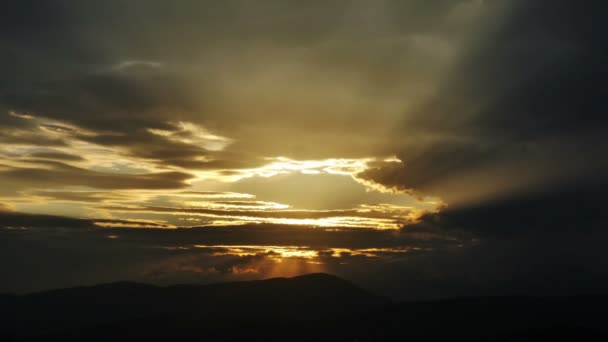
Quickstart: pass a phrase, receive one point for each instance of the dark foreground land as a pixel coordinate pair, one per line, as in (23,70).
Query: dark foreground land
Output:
(315,307)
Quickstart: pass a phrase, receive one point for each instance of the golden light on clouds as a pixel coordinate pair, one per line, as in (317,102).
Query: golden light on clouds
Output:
(289,260)
(275,252)
(192,134)
(112,175)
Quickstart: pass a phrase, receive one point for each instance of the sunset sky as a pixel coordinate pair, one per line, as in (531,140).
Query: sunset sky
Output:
(452,146)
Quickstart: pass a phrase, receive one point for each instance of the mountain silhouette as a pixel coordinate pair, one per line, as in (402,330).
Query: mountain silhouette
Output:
(273,306)
(310,307)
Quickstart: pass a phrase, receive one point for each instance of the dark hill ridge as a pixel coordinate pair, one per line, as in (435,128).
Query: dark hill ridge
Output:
(124,305)
(309,307)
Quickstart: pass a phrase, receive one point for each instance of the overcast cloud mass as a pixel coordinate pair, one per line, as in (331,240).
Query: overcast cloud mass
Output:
(455,147)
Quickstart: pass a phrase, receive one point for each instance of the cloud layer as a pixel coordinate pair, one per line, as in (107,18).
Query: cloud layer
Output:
(455,146)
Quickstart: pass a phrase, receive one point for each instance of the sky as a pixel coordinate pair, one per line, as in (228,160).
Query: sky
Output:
(422,149)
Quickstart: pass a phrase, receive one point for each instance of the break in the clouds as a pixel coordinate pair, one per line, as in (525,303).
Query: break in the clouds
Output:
(478,122)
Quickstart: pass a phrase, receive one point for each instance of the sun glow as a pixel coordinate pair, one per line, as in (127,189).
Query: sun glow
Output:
(211,196)
(283,165)
(281,253)
(273,252)
(378,217)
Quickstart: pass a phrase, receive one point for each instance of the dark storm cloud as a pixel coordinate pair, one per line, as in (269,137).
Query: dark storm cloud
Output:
(544,242)
(576,208)
(514,142)
(555,264)
(523,110)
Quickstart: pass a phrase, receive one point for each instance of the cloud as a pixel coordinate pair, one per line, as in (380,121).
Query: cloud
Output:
(130,224)
(355,64)
(43,174)
(57,156)
(378,217)
(80,196)
(11,219)
(494,108)
(501,247)
(573,208)
(541,243)
(129,65)
(191,134)
(19,131)
(521,112)
(145,251)
(333,92)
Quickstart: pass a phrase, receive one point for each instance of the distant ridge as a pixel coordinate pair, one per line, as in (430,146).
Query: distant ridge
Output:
(124,305)
(310,278)
(314,307)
